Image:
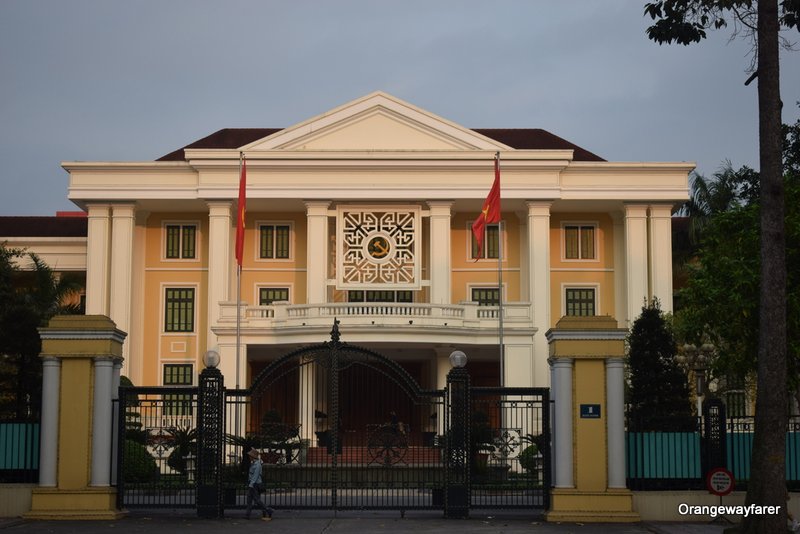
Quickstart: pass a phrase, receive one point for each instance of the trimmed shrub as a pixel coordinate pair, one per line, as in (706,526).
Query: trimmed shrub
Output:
(139,464)
(527,458)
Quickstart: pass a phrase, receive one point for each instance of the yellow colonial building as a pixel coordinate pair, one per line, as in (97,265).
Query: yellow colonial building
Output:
(363,214)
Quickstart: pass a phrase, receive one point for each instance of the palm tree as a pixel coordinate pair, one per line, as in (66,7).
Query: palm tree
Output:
(28,299)
(728,189)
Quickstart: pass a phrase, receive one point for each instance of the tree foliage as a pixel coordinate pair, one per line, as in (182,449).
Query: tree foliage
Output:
(28,299)
(659,392)
(721,300)
(686,21)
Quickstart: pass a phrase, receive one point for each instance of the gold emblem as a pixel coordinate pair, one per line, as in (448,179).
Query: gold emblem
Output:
(378,247)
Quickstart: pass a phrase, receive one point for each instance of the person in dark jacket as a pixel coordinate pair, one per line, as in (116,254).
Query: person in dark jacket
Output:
(254,487)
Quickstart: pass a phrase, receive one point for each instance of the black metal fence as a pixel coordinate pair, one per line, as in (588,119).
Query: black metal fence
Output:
(510,448)
(336,427)
(156,447)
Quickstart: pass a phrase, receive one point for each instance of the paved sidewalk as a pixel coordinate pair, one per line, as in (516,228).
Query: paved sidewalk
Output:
(309,522)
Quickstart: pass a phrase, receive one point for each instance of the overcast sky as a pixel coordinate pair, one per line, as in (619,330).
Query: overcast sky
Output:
(130,81)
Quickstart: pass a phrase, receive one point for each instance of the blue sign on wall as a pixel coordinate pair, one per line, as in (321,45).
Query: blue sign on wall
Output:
(590,411)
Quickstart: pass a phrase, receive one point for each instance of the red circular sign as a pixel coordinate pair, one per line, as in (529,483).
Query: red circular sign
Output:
(719,481)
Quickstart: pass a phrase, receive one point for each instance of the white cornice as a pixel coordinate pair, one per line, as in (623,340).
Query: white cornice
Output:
(134,166)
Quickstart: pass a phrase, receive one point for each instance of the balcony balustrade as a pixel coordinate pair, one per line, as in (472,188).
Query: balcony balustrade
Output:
(464,314)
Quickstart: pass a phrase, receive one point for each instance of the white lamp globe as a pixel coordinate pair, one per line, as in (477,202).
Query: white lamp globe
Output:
(211,358)
(458,359)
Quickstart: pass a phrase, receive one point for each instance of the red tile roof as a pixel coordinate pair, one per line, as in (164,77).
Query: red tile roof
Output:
(521,138)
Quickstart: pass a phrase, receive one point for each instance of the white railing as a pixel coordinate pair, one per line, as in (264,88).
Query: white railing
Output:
(467,314)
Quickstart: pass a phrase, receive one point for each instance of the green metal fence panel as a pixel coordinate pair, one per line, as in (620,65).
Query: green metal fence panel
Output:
(663,455)
(740,448)
(19,446)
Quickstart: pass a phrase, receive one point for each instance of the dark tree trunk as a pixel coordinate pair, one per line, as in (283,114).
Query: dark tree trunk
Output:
(767,485)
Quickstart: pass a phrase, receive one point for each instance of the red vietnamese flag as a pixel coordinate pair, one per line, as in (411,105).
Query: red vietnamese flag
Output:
(240,212)
(490,212)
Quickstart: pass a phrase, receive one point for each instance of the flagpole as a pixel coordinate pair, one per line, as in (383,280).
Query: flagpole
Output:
(238,297)
(500,288)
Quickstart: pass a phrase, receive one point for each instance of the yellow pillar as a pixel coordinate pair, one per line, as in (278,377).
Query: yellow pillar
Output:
(81,343)
(588,473)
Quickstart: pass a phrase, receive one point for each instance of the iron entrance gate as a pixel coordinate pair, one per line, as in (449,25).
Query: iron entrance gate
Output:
(338,427)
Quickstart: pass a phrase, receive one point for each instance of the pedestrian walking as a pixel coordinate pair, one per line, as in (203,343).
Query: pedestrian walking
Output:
(255,487)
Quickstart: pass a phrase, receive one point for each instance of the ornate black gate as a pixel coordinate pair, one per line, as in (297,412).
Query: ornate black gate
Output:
(337,427)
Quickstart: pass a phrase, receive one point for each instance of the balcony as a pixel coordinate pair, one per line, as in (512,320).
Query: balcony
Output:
(463,315)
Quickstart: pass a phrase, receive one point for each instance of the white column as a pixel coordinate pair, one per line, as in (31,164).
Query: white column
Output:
(101,422)
(442,368)
(134,361)
(307,398)
(615,421)
(220,254)
(122,226)
(661,254)
(97,259)
(317,251)
(227,362)
(635,259)
(440,252)
(562,435)
(519,366)
(539,284)
(115,374)
(620,300)
(524,268)
(48,451)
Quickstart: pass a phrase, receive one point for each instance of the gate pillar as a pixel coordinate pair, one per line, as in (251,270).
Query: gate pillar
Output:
(457,475)
(211,406)
(588,387)
(79,352)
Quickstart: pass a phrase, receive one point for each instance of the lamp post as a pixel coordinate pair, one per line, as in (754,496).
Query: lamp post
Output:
(690,358)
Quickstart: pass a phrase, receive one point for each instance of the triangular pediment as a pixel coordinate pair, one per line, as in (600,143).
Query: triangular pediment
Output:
(376,122)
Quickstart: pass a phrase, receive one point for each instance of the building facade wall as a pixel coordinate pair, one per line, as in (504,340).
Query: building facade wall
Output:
(376,151)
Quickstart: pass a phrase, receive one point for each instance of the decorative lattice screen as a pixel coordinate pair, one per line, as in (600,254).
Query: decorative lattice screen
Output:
(378,247)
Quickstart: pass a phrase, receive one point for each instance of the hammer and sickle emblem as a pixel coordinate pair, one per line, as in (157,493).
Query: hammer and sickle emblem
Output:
(378,247)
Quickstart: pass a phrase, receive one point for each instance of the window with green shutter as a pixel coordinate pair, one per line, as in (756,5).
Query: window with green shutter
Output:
(580,301)
(180,374)
(179,309)
(274,241)
(268,295)
(181,241)
(380,296)
(486,296)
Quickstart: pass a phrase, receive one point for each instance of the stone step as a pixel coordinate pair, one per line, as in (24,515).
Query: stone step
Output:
(362,455)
